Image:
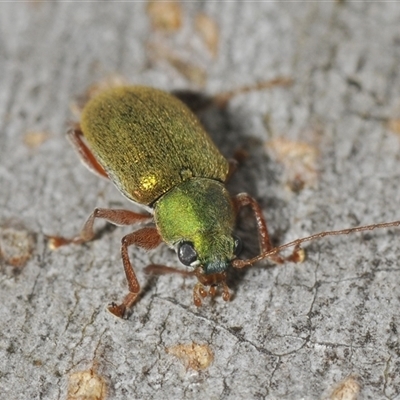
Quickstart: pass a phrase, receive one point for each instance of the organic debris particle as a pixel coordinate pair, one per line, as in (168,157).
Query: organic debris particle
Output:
(222,99)
(165,15)
(208,29)
(35,3)
(299,160)
(190,71)
(194,356)
(34,139)
(193,73)
(349,389)
(16,245)
(394,125)
(86,385)
(109,82)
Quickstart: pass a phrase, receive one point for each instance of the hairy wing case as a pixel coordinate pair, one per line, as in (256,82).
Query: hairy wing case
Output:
(148,141)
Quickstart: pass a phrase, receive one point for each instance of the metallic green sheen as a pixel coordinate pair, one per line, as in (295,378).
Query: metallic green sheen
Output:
(199,211)
(148,142)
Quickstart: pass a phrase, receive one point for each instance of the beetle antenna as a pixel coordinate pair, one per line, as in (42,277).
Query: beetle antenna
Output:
(243,263)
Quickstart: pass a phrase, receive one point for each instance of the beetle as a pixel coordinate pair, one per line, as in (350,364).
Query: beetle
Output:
(154,149)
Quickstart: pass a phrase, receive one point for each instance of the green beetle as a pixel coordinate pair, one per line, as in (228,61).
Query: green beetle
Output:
(154,149)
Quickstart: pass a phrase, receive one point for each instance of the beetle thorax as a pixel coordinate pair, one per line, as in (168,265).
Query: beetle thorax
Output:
(199,211)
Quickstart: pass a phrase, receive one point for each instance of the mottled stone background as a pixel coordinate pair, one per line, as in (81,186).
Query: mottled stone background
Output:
(323,153)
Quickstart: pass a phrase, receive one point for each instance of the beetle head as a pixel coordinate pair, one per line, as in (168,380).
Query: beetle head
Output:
(212,251)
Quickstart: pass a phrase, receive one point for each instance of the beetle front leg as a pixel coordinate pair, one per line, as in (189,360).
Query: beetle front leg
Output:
(116,217)
(242,200)
(147,238)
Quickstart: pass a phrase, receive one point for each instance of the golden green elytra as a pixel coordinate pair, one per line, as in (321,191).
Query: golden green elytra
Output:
(148,142)
(154,149)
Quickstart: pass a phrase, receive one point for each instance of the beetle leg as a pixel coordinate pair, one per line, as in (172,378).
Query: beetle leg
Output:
(199,293)
(233,165)
(238,157)
(147,238)
(242,200)
(199,290)
(116,217)
(89,160)
(212,291)
(159,269)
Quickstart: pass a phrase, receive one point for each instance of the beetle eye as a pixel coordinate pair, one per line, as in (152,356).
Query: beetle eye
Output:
(186,253)
(237,245)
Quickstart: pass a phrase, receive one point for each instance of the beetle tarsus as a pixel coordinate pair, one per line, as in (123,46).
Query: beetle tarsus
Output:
(57,241)
(298,255)
(226,294)
(117,310)
(199,293)
(213,290)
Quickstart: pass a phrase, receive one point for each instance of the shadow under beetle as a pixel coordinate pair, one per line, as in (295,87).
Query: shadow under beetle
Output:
(154,149)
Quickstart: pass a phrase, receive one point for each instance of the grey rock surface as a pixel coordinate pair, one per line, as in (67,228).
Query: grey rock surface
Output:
(290,332)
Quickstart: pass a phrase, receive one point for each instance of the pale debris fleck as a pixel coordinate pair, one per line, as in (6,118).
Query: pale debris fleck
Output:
(34,139)
(86,385)
(165,15)
(394,125)
(16,245)
(208,30)
(193,355)
(299,160)
(348,389)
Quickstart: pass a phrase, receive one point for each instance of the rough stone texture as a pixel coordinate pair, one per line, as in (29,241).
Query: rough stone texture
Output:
(290,332)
